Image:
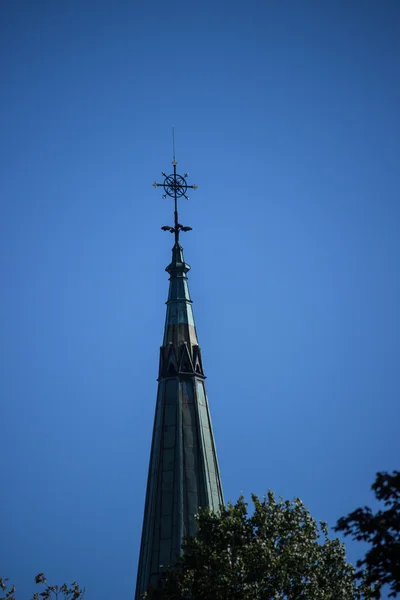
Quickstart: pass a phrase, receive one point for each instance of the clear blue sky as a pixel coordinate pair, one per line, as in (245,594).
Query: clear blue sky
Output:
(287,117)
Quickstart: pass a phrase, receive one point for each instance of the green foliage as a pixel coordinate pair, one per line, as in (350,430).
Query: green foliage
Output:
(274,554)
(50,592)
(381,564)
(9,593)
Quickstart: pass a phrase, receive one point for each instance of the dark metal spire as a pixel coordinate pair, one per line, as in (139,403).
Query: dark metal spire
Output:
(175,186)
(183,472)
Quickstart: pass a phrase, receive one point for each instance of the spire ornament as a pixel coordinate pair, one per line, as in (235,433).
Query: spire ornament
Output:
(175,186)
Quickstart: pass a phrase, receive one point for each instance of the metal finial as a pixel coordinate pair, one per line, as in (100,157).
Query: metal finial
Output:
(175,186)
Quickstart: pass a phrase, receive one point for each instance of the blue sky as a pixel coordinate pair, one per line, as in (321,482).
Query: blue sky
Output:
(286,116)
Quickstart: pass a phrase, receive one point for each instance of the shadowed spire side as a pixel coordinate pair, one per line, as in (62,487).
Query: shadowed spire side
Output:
(183,473)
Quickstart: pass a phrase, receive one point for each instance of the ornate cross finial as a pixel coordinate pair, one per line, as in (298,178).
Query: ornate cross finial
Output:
(175,187)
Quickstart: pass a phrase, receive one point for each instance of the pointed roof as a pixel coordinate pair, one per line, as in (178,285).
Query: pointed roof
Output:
(183,471)
(179,321)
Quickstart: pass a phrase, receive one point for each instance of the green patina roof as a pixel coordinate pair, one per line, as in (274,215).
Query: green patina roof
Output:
(179,322)
(183,472)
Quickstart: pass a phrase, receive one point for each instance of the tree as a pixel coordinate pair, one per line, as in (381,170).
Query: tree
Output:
(273,554)
(381,564)
(50,592)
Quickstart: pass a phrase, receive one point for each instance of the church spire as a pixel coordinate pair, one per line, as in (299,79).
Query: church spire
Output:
(183,472)
(179,322)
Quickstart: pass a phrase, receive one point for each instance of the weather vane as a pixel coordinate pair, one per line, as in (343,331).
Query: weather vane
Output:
(175,187)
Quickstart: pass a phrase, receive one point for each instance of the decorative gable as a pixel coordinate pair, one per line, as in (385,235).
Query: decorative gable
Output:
(171,363)
(186,365)
(198,365)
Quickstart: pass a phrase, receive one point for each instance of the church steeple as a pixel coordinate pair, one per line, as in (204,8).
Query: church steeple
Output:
(183,472)
(179,322)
